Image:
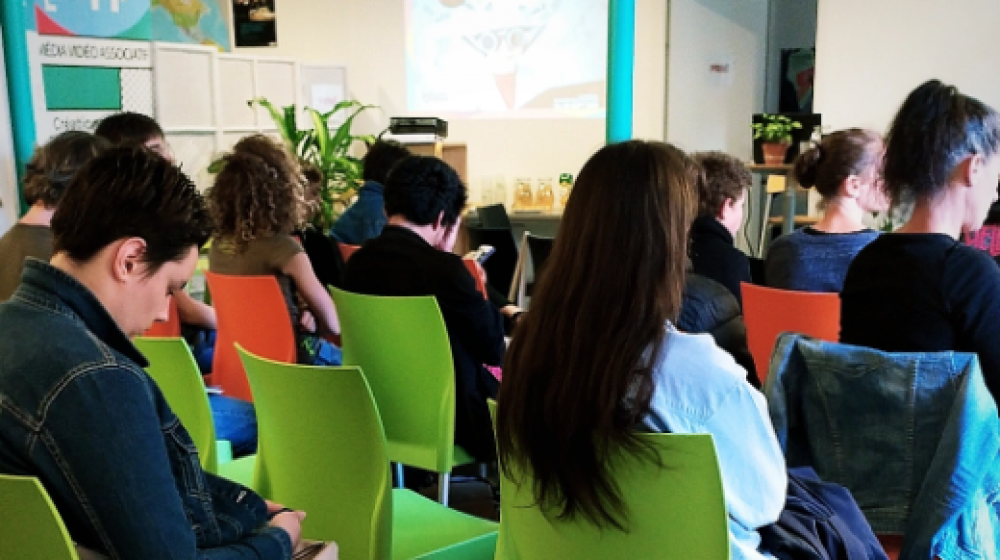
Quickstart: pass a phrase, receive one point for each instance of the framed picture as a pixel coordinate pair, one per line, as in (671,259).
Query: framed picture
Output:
(798,69)
(255,23)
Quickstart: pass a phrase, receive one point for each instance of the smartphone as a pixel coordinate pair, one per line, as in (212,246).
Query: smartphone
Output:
(481,254)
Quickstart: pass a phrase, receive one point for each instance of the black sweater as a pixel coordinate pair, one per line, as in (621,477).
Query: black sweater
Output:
(400,263)
(924,293)
(714,256)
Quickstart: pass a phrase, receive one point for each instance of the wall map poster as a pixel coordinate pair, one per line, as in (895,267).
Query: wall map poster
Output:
(255,23)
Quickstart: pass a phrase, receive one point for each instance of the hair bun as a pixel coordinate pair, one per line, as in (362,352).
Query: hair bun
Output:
(807,164)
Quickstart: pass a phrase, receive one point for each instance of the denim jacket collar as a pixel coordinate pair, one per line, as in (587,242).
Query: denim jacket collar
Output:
(45,285)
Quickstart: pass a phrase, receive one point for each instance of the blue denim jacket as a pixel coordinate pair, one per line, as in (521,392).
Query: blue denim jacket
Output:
(78,411)
(364,219)
(914,436)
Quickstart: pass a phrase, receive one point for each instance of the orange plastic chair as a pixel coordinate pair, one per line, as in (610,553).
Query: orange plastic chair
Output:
(475,269)
(251,311)
(347,250)
(171,328)
(769,312)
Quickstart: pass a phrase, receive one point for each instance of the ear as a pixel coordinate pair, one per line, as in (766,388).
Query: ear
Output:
(728,205)
(968,170)
(439,222)
(127,259)
(852,186)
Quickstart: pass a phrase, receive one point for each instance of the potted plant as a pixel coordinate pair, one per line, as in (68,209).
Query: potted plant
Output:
(328,149)
(775,132)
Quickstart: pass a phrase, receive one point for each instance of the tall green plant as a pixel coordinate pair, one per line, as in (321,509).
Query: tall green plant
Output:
(327,148)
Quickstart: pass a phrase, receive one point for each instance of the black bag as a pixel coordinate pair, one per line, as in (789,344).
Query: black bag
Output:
(820,521)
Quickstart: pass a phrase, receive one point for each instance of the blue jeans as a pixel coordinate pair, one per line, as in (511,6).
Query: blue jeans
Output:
(236,422)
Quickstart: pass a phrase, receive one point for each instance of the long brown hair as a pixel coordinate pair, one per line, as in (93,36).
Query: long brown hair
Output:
(578,373)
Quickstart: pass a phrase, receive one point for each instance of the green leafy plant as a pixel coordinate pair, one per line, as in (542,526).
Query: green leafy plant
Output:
(329,149)
(775,128)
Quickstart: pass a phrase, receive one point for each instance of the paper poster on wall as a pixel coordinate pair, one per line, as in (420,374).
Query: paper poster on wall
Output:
(255,23)
(511,59)
(109,19)
(79,80)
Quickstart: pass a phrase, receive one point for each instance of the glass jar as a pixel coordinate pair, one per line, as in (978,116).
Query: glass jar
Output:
(523,197)
(565,185)
(544,196)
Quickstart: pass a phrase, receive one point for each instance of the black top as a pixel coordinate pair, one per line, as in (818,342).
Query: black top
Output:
(325,257)
(714,256)
(400,263)
(924,293)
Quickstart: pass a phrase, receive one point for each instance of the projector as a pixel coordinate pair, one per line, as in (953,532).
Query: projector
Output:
(418,125)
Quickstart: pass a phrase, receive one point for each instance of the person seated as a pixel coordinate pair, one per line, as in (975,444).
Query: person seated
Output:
(920,289)
(48,173)
(424,199)
(846,169)
(722,192)
(325,257)
(365,218)
(256,202)
(86,419)
(708,307)
(235,420)
(598,357)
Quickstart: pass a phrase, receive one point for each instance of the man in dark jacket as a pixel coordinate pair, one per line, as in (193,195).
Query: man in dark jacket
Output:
(412,257)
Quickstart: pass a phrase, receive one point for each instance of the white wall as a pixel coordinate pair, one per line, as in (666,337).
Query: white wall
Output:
(709,111)
(8,179)
(369,38)
(871,53)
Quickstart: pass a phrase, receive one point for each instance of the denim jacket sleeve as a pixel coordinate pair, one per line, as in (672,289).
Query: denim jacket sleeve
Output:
(113,453)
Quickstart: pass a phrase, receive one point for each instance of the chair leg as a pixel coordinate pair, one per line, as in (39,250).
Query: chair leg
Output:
(483,470)
(399,475)
(443,481)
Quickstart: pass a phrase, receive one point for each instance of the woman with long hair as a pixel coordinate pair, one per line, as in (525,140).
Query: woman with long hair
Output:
(257,202)
(597,359)
(845,168)
(919,289)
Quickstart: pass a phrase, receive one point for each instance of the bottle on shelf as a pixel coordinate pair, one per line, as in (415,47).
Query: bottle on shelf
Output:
(523,197)
(565,185)
(544,198)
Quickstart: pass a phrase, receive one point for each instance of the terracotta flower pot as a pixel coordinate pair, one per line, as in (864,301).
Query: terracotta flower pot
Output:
(774,152)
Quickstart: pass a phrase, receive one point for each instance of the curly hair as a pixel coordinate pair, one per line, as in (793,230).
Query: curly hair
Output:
(257,194)
(53,166)
(723,177)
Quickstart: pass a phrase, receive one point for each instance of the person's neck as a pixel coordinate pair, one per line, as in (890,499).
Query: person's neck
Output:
(37,215)
(939,216)
(842,215)
(88,275)
(426,232)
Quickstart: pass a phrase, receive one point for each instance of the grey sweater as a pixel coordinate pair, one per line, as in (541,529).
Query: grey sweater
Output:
(809,260)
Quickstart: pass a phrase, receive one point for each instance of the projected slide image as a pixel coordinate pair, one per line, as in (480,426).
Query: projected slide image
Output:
(507,58)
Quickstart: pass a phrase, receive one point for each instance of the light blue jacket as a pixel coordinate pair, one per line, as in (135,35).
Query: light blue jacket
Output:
(699,389)
(914,436)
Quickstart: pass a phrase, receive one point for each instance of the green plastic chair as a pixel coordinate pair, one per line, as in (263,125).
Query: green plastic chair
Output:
(402,346)
(30,525)
(678,511)
(326,455)
(175,371)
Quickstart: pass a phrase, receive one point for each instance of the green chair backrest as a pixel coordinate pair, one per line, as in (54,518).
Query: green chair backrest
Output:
(30,525)
(678,511)
(402,346)
(337,473)
(176,373)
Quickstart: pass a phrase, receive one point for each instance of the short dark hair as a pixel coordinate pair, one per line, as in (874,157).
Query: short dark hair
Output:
(935,129)
(128,128)
(421,187)
(380,159)
(723,177)
(53,166)
(131,192)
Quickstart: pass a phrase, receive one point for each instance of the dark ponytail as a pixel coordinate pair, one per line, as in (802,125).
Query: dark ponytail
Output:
(935,129)
(837,157)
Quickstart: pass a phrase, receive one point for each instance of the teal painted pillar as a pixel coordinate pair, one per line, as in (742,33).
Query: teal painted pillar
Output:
(15,50)
(621,68)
